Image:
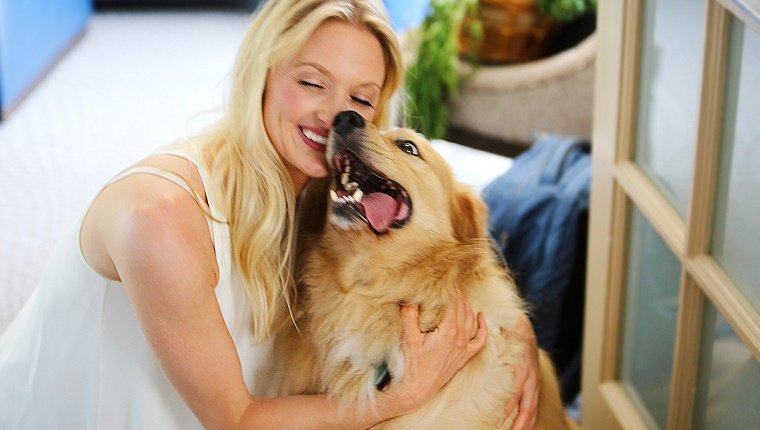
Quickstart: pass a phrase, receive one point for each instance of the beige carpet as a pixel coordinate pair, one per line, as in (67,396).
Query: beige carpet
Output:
(135,81)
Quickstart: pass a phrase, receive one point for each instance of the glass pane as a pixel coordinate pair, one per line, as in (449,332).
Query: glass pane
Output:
(669,88)
(651,310)
(736,232)
(728,385)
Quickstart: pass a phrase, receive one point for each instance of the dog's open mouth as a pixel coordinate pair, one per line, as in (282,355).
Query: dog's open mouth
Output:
(361,194)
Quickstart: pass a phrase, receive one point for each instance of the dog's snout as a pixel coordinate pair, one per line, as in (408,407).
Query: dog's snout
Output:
(347,121)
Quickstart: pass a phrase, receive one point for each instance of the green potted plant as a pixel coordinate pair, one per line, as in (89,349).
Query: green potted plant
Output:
(521,30)
(566,10)
(483,32)
(433,77)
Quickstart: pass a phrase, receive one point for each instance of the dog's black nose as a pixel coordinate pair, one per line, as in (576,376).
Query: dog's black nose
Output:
(347,121)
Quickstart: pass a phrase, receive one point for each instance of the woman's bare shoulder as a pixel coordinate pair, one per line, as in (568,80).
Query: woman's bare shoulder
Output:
(147,217)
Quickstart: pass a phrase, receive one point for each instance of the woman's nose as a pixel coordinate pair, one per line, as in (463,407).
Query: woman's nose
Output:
(332,108)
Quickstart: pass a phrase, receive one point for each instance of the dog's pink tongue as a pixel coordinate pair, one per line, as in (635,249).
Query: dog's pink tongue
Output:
(380,209)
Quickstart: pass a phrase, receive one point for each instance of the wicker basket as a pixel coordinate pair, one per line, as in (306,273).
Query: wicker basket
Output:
(513,31)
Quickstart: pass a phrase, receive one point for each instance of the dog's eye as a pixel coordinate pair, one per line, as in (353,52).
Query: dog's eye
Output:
(409,147)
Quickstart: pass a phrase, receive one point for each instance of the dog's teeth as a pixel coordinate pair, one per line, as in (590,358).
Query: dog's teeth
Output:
(344,178)
(356,197)
(351,186)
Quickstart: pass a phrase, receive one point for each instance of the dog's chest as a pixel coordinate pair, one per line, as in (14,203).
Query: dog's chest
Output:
(353,329)
(355,341)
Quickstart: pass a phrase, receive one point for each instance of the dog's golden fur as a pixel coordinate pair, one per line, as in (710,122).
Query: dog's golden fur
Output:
(354,276)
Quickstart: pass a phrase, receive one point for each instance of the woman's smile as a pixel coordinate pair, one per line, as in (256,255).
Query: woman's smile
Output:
(315,138)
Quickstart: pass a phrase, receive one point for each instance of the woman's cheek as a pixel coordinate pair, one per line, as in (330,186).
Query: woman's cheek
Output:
(296,101)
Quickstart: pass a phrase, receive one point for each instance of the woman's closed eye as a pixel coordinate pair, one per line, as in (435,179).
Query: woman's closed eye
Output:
(362,101)
(305,83)
(316,85)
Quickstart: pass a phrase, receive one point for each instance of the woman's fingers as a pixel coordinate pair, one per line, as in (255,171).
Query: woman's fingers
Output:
(454,317)
(467,329)
(410,321)
(473,327)
(528,409)
(521,376)
(511,405)
(433,358)
(527,379)
(463,310)
(478,342)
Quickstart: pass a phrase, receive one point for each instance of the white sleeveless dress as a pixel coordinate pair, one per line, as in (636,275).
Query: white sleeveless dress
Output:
(75,357)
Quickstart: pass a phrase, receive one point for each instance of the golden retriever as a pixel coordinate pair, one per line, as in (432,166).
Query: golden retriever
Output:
(400,228)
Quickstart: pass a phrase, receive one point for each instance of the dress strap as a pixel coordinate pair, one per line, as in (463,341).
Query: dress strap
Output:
(173,177)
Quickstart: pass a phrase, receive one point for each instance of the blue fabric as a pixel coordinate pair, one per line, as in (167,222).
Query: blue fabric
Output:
(538,210)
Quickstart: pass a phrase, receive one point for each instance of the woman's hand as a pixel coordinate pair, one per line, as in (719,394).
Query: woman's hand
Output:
(527,380)
(431,359)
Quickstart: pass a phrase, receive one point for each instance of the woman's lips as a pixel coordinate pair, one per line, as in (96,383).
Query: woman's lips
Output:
(315,139)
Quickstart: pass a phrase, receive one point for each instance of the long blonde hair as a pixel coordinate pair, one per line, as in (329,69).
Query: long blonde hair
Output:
(258,197)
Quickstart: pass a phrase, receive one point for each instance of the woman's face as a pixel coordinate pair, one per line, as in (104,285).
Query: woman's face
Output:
(340,67)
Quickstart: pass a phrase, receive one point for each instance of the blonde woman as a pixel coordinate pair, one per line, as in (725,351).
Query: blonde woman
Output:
(158,309)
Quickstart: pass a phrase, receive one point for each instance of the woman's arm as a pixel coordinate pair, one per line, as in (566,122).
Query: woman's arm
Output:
(431,360)
(159,243)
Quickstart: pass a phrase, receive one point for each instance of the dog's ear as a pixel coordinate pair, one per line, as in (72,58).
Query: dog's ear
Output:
(469,214)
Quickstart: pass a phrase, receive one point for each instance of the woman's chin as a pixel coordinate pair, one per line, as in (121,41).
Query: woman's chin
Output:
(315,171)
(318,170)
(320,174)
